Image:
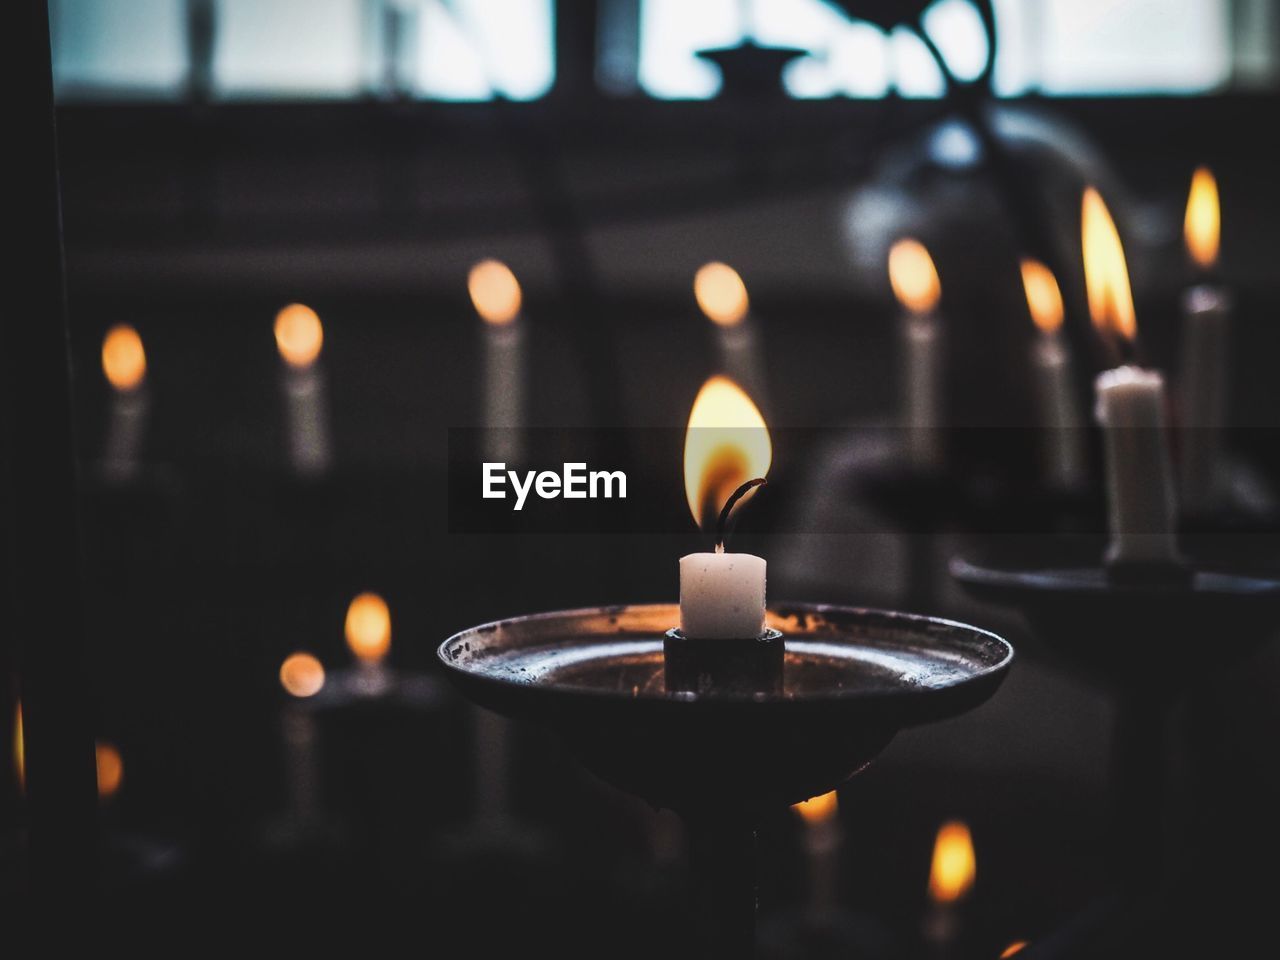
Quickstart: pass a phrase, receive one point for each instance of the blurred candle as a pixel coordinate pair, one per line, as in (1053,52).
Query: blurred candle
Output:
(368,632)
(302,677)
(915,283)
(1206,328)
(823,838)
(952,872)
(1130,408)
(722,297)
(124,364)
(496,296)
(299,338)
(1063,451)
(110,767)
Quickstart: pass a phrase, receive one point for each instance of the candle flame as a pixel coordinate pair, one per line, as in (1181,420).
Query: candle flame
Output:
(913,276)
(301,675)
(954,865)
(1044,299)
(19,748)
(818,809)
(368,627)
(727,444)
(124,362)
(1106,276)
(721,294)
(495,292)
(1202,226)
(299,335)
(1016,947)
(110,769)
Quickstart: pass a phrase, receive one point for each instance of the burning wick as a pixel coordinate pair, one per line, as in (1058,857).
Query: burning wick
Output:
(1130,408)
(722,524)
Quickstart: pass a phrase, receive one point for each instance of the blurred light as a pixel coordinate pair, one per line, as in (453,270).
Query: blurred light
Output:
(1106,276)
(299,335)
(110,769)
(368,627)
(124,362)
(721,294)
(291,47)
(474,49)
(1044,299)
(1202,226)
(954,866)
(956,27)
(495,292)
(301,675)
(726,444)
(1016,947)
(913,276)
(818,809)
(19,748)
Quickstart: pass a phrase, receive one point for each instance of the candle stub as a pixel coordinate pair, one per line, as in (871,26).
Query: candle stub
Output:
(1141,509)
(722,596)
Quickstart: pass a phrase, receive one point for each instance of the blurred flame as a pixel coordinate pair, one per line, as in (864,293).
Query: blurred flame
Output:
(368,627)
(818,809)
(110,769)
(299,335)
(1044,299)
(1105,275)
(954,865)
(721,294)
(913,276)
(727,444)
(1202,227)
(19,748)
(123,360)
(302,675)
(1016,947)
(495,292)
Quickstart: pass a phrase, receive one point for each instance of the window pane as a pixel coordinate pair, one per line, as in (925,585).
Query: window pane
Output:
(121,48)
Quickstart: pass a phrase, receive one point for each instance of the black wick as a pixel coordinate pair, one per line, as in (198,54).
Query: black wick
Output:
(722,525)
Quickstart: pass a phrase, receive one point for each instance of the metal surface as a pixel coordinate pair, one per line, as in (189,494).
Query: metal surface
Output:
(852,679)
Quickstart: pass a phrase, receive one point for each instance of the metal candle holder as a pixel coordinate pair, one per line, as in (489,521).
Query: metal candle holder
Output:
(723,757)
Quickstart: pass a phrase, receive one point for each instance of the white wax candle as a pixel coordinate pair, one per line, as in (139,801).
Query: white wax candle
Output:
(128,424)
(722,596)
(1141,508)
(1063,450)
(1205,330)
(503,392)
(922,375)
(308,418)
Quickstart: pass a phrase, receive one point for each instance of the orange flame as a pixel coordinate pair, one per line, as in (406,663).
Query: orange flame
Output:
(1016,947)
(721,294)
(368,627)
(123,360)
(954,865)
(301,675)
(19,748)
(913,276)
(110,769)
(299,335)
(727,444)
(1202,226)
(1044,299)
(495,292)
(818,809)
(1106,276)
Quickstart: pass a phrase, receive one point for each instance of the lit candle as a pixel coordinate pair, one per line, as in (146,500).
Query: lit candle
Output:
(722,297)
(722,595)
(302,677)
(1206,327)
(952,872)
(368,634)
(1130,409)
(823,838)
(915,283)
(1051,361)
(124,363)
(496,296)
(299,338)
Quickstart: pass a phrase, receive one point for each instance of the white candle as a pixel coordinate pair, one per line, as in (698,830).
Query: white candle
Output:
(1063,450)
(299,338)
(915,283)
(1142,515)
(722,596)
(124,363)
(496,296)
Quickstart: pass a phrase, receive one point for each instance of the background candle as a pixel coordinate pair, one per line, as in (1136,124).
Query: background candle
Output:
(368,633)
(299,338)
(302,677)
(915,283)
(722,297)
(1063,451)
(1204,353)
(124,363)
(1130,407)
(952,872)
(496,296)
(823,838)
